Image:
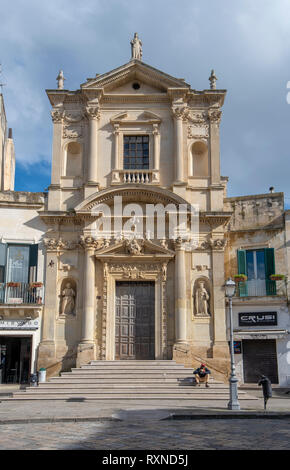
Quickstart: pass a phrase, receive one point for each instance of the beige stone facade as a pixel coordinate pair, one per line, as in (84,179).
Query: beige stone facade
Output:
(102,253)
(90,127)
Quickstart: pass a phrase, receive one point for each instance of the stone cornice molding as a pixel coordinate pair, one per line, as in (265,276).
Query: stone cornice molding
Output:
(130,192)
(215,220)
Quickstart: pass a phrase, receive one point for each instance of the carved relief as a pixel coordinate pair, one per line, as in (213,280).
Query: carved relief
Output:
(56,244)
(218,244)
(93,112)
(72,132)
(89,242)
(134,247)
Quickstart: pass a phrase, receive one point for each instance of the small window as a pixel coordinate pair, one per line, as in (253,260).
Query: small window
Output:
(136,152)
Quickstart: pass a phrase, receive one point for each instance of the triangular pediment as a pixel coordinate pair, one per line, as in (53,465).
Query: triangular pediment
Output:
(120,80)
(135,247)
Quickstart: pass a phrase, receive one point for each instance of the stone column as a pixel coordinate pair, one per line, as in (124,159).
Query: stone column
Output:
(214,116)
(180,293)
(116,155)
(93,114)
(178,126)
(220,345)
(47,350)
(156,134)
(86,348)
(54,198)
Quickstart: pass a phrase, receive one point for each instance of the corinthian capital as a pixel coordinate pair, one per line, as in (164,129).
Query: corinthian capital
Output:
(57,115)
(180,112)
(88,242)
(93,112)
(214,116)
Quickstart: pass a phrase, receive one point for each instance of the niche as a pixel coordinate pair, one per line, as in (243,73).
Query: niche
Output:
(73,159)
(199,159)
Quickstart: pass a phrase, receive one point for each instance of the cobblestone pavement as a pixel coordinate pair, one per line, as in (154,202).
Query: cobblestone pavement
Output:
(149,434)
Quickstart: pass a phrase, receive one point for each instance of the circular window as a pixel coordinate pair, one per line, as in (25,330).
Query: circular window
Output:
(136,86)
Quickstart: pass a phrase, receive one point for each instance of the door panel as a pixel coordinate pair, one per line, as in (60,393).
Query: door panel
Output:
(135,320)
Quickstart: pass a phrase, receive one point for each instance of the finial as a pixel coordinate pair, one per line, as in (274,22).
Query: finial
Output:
(136,48)
(60,80)
(212,80)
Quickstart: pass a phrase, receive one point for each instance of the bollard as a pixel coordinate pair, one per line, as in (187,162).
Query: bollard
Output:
(42,375)
(33,380)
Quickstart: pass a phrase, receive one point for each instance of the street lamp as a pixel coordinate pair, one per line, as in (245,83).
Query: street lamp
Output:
(233,404)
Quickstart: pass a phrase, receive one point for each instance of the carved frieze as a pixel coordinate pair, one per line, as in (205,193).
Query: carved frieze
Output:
(57,115)
(58,244)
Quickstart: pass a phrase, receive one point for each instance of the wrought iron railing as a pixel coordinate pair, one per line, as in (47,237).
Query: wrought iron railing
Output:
(260,288)
(21,293)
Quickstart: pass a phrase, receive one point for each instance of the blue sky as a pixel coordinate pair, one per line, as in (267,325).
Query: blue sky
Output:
(247,43)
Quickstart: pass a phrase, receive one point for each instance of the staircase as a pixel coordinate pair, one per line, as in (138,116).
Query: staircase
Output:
(134,382)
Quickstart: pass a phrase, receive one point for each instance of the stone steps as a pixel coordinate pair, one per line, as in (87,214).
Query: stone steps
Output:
(130,382)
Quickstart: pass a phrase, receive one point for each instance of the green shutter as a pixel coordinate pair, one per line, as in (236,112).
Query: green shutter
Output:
(3,251)
(270,269)
(242,269)
(33,255)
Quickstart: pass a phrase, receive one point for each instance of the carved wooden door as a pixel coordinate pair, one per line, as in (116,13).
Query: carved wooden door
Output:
(135,320)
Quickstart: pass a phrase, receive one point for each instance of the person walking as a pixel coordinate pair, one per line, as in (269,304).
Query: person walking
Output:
(202,375)
(267,389)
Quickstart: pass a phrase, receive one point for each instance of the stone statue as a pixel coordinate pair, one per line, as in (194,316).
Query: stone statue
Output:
(201,300)
(136,47)
(213,80)
(60,80)
(68,300)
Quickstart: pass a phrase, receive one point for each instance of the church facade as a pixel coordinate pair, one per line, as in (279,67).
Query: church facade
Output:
(134,135)
(136,235)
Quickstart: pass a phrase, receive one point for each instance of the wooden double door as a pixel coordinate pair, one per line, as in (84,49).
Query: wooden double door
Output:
(135,320)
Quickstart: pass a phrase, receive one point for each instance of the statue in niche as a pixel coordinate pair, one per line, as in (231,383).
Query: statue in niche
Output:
(201,300)
(67,303)
(136,46)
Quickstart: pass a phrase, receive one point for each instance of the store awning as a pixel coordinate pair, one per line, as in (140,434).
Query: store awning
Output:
(260,334)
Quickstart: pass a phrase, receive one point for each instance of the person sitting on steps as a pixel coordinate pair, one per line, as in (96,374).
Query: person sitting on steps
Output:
(202,375)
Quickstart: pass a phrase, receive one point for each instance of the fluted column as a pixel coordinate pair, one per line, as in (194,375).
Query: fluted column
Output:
(93,116)
(180,293)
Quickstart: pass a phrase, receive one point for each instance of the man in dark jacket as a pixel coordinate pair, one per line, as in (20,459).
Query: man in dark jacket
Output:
(202,375)
(267,388)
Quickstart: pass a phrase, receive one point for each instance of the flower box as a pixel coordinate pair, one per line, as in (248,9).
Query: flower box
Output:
(36,284)
(277,277)
(240,278)
(13,284)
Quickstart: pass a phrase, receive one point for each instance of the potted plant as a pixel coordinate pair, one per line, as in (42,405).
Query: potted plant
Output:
(240,278)
(277,277)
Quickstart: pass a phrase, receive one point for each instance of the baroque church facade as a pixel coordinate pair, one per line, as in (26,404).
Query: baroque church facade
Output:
(92,276)
(141,135)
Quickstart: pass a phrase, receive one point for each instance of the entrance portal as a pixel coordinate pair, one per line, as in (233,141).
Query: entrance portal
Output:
(15,355)
(135,320)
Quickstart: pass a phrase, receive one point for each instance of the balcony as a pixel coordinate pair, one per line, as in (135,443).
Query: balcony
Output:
(135,177)
(261,288)
(19,293)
